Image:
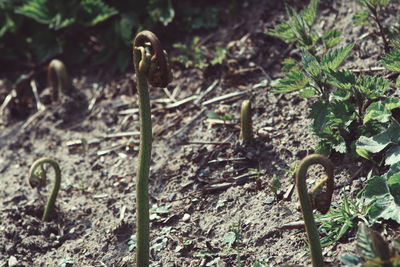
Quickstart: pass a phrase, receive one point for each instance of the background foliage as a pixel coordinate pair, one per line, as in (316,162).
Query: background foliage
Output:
(92,31)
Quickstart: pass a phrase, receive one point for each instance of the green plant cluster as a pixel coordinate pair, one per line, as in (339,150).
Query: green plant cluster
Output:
(98,32)
(373,249)
(352,113)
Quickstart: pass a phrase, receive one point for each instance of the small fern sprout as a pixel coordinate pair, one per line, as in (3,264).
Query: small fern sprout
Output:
(246,124)
(317,199)
(58,79)
(37,178)
(151,67)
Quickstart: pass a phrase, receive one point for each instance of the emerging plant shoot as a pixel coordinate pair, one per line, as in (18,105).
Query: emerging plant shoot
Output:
(151,66)
(319,200)
(37,177)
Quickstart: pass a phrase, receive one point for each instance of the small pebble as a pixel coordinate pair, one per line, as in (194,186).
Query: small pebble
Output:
(12,261)
(186,217)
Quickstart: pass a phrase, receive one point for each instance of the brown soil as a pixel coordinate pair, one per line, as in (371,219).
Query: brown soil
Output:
(195,199)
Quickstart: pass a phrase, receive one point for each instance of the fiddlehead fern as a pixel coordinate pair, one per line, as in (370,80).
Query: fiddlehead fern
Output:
(318,200)
(246,124)
(58,79)
(151,65)
(37,177)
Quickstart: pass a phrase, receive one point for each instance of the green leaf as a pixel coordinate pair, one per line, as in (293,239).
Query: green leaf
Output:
(220,55)
(37,10)
(295,80)
(309,14)
(364,243)
(361,18)
(379,142)
(161,10)
(310,64)
(331,38)
(373,86)
(385,208)
(308,93)
(363,153)
(46,46)
(350,260)
(383,194)
(283,31)
(333,59)
(95,11)
(290,64)
(391,60)
(229,238)
(381,111)
(299,27)
(342,79)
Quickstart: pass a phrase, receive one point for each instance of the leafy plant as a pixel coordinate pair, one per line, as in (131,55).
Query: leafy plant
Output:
(372,12)
(339,220)
(373,249)
(154,69)
(193,55)
(314,200)
(298,28)
(382,195)
(37,178)
(233,239)
(36,31)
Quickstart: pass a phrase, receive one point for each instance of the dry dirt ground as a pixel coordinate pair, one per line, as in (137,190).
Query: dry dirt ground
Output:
(204,182)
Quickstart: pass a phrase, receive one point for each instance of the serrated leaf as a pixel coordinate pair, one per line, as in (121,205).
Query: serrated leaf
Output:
(340,147)
(294,81)
(391,60)
(379,142)
(308,93)
(364,243)
(283,31)
(333,59)
(37,10)
(310,64)
(95,11)
(342,79)
(299,27)
(372,86)
(289,64)
(331,38)
(309,14)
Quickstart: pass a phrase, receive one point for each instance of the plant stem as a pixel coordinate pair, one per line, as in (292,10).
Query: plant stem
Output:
(38,180)
(155,70)
(374,12)
(306,206)
(246,125)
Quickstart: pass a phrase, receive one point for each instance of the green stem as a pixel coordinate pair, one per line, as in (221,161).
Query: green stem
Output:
(38,178)
(155,71)
(306,206)
(246,125)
